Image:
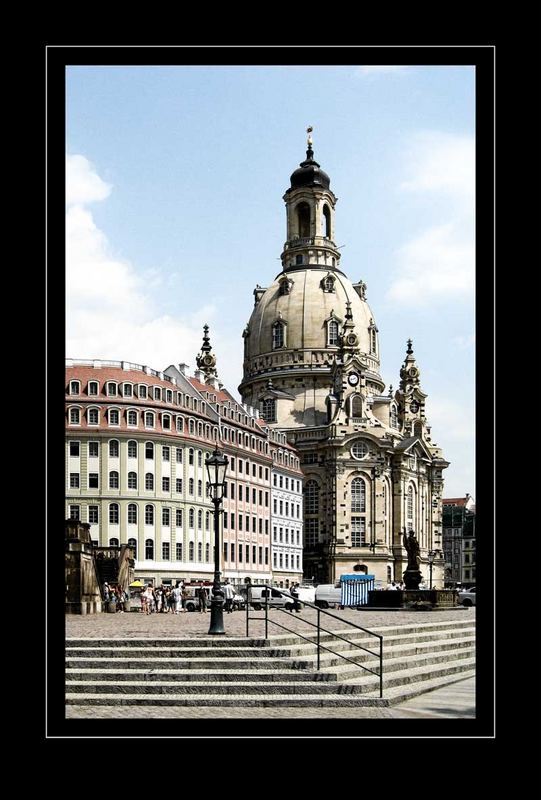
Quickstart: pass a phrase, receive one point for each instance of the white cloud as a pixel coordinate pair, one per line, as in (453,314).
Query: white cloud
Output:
(439,263)
(108,313)
(83,184)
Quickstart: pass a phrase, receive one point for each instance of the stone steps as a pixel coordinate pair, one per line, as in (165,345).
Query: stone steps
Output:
(280,671)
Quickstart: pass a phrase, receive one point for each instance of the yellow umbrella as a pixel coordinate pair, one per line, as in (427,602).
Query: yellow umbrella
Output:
(137,583)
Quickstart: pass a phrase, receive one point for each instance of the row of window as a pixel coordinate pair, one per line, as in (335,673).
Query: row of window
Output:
(132,448)
(230,520)
(149,512)
(282,508)
(114,415)
(278,535)
(235,465)
(259,555)
(279,335)
(114,482)
(280,480)
(243,493)
(140,390)
(245,522)
(281,560)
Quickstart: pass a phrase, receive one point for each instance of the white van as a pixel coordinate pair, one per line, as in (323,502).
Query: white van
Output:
(328,595)
(275,597)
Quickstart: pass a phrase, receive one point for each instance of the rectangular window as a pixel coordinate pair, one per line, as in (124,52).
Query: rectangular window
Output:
(260,555)
(232,522)
(225,519)
(165,484)
(358,531)
(166,452)
(165,551)
(232,467)
(281,481)
(93,514)
(179,551)
(74,416)
(247,553)
(240,470)
(178,485)
(260,525)
(232,551)
(142,391)
(75,512)
(240,491)
(266,474)
(281,561)
(93,480)
(166,517)
(311,532)
(93,449)
(275,506)
(240,553)
(166,422)
(232,491)
(254,497)
(74,449)
(178,517)
(267,527)
(260,498)
(254,524)
(254,552)
(240,522)
(113,417)
(179,455)
(275,560)
(260,473)
(266,555)
(74,480)
(93,388)
(111,389)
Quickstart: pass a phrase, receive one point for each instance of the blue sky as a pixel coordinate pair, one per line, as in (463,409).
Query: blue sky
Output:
(175,178)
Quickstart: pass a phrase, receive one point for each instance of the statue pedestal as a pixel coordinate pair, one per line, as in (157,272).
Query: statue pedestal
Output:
(413,599)
(412,578)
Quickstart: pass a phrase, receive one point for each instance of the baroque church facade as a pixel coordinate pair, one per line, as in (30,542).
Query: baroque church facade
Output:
(312,368)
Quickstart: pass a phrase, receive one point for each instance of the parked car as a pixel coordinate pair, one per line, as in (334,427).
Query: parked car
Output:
(467,597)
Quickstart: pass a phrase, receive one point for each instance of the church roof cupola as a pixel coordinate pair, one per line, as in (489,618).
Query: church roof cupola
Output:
(309,172)
(206,360)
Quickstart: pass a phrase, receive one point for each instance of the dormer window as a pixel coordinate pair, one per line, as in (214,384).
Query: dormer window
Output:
(157,393)
(327,284)
(111,389)
(93,387)
(285,286)
(142,391)
(127,390)
(75,387)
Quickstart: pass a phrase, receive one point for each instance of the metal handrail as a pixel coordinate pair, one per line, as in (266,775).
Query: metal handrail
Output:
(325,630)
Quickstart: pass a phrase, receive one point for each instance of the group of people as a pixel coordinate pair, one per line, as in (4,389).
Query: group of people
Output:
(164,599)
(114,593)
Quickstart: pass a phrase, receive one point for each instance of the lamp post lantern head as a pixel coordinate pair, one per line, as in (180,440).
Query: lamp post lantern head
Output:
(216,465)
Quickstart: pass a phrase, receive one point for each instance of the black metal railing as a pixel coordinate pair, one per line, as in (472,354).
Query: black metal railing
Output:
(320,630)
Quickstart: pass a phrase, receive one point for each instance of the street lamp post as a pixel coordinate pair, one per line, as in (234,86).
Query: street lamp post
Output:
(216,468)
(431,556)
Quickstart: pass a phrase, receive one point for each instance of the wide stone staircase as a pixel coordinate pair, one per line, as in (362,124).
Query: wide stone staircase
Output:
(278,671)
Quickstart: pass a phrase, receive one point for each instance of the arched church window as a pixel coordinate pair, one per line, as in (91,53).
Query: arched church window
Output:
(311,497)
(278,335)
(357,408)
(373,340)
(332,333)
(394,417)
(327,221)
(410,508)
(303,220)
(358,495)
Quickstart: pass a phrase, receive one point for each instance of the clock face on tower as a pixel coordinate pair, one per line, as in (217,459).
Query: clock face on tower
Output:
(353,379)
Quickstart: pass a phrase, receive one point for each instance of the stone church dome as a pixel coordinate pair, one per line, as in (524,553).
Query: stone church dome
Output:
(301,300)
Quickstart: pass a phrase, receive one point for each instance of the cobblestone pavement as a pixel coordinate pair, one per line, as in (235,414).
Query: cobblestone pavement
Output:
(136,625)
